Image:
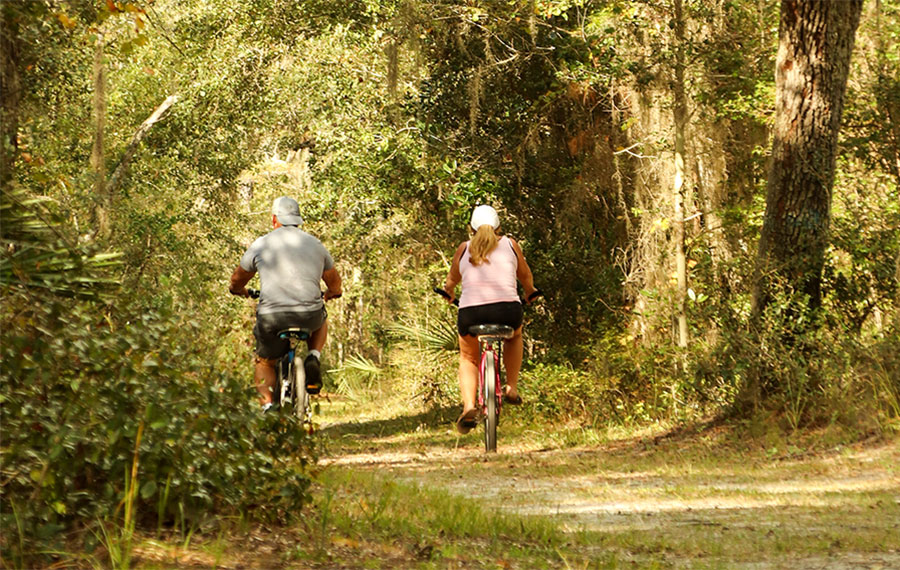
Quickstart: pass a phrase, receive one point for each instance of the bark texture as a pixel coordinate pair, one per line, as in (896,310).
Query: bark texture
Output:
(98,158)
(680,116)
(815,42)
(10,92)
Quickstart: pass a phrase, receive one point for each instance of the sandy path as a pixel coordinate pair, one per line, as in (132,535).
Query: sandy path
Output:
(676,488)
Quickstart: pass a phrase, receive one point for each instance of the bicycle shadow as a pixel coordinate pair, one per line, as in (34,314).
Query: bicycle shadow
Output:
(387,427)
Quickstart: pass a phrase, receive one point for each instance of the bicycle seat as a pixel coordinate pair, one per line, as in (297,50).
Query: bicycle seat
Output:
(294,332)
(500,331)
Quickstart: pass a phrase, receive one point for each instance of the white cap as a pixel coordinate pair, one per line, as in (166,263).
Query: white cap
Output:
(287,211)
(485,215)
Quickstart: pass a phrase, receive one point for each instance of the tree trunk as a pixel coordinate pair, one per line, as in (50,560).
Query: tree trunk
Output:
(680,116)
(10,94)
(815,42)
(98,162)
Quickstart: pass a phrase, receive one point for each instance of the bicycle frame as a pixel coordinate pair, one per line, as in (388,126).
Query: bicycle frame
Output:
(292,376)
(490,347)
(490,393)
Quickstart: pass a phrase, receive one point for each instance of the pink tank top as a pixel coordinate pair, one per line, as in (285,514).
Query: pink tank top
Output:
(494,281)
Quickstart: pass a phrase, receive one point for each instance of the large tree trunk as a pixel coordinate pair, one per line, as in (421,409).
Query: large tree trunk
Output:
(815,42)
(10,93)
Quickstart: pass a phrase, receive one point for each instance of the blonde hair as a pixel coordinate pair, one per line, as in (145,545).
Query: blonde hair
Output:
(483,243)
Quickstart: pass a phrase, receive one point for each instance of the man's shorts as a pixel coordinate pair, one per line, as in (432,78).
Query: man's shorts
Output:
(509,314)
(268,325)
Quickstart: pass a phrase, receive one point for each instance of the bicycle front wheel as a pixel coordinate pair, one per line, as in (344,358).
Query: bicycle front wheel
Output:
(492,412)
(301,396)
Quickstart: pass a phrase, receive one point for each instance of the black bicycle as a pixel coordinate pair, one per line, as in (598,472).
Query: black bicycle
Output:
(290,387)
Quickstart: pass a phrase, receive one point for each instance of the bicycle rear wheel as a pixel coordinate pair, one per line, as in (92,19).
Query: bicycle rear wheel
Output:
(283,384)
(490,403)
(301,396)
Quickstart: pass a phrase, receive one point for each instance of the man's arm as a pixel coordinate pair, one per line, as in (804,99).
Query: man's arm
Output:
(332,283)
(239,280)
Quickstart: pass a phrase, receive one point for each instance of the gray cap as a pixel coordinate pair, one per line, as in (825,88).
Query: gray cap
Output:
(287,211)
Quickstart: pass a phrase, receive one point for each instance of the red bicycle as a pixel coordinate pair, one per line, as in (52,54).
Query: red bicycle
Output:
(490,377)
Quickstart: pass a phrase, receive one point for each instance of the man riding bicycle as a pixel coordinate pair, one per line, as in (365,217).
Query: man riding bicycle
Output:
(291,263)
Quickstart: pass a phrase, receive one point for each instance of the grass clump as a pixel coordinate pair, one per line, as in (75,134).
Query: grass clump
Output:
(357,513)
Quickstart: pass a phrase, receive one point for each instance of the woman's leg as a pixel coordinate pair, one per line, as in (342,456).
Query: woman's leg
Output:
(468,371)
(512,361)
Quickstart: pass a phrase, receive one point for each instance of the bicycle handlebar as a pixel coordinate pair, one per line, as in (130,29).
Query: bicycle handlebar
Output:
(254,294)
(534,295)
(446,295)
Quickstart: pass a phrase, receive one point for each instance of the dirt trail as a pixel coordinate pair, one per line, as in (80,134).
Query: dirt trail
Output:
(680,489)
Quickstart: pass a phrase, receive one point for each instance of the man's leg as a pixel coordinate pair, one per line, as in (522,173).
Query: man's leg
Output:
(265,378)
(315,343)
(317,338)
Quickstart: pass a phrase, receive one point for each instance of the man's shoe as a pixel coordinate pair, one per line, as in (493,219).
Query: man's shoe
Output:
(313,374)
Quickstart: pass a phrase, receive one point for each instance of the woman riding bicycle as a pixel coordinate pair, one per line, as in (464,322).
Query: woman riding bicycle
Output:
(488,266)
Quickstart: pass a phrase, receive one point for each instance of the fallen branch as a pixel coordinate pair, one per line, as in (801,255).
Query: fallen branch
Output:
(119,174)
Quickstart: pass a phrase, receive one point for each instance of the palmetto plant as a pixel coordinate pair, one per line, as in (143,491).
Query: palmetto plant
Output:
(38,255)
(355,373)
(434,337)
(433,346)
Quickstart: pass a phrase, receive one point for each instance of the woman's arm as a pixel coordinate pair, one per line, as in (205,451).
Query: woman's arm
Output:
(454,277)
(523,272)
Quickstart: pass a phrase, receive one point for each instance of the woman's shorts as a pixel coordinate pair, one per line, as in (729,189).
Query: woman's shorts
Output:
(268,325)
(509,314)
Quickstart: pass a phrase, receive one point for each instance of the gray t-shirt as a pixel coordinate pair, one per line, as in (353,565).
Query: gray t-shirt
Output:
(290,263)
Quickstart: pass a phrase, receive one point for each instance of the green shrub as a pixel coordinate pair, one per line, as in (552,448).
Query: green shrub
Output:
(75,393)
(97,397)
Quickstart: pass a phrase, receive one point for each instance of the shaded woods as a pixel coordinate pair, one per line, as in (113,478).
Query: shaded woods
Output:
(637,150)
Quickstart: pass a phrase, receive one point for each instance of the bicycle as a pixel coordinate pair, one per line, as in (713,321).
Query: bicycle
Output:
(490,378)
(290,386)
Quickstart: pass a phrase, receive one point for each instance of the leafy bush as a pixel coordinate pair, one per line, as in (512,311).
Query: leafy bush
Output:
(94,392)
(806,373)
(76,391)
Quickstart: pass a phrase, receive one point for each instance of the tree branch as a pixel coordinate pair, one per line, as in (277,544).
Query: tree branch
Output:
(116,179)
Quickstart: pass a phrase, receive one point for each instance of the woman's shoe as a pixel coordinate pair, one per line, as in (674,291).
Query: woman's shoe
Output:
(512,400)
(467,421)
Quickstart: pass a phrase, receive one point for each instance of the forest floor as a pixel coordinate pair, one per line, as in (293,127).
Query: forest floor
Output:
(398,488)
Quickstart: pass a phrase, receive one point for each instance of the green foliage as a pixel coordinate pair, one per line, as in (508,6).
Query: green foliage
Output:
(356,376)
(75,393)
(806,375)
(92,388)
(425,360)
(42,258)
(531,107)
